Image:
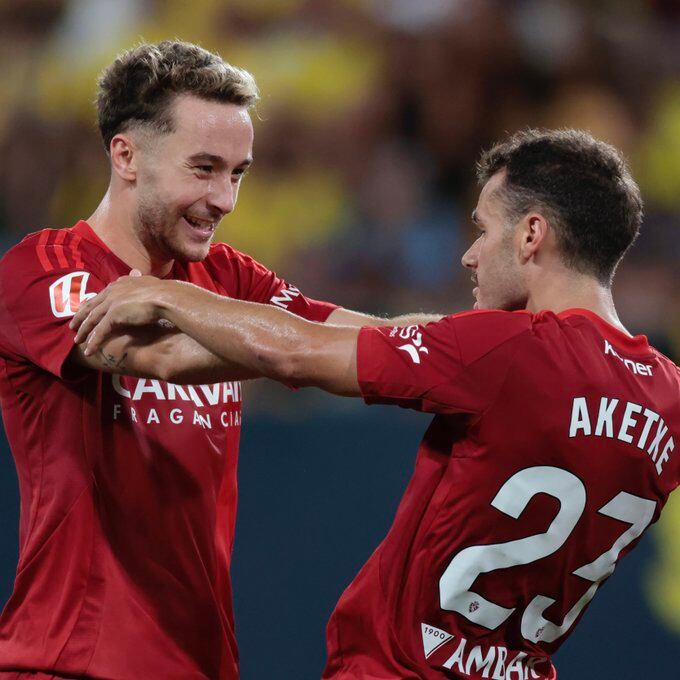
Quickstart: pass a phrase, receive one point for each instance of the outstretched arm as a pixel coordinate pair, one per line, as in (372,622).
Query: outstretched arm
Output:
(347,317)
(157,352)
(260,339)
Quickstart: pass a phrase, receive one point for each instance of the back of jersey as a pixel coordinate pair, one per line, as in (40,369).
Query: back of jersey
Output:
(538,484)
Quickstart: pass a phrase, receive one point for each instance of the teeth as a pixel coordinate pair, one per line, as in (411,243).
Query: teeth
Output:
(201,224)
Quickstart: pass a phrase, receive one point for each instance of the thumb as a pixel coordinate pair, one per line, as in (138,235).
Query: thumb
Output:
(135,272)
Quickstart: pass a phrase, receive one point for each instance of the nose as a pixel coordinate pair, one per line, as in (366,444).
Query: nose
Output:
(222,196)
(470,257)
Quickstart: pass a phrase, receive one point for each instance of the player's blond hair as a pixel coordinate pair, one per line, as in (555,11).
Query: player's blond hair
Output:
(138,88)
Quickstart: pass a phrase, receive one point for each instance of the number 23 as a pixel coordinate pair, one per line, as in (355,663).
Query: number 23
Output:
(456,581)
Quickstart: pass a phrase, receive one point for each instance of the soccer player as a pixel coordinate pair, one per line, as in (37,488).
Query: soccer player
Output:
(553,445)
(127,478)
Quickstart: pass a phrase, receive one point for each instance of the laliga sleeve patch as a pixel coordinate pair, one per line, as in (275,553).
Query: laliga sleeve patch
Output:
(68,293)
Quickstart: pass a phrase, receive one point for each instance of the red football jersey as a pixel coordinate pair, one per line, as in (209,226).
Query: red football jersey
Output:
(552,450)
(128,486)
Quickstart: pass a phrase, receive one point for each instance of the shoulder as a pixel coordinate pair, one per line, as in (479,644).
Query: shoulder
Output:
(479,331)
(48,251)
(229,264)
(494,321)
(222,254)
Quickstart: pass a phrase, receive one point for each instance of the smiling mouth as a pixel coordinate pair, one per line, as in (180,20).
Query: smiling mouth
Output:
(202,225)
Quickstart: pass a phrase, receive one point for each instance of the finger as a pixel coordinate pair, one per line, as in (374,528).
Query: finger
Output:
(87,307)
(135,272)
(91,321)
(99,335)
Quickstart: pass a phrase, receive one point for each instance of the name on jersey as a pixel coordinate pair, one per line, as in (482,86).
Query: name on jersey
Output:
(625,421)
(203,397)
(634,366)
(495,661)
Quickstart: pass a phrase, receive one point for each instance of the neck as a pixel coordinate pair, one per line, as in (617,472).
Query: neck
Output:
(573,290)
(114,223)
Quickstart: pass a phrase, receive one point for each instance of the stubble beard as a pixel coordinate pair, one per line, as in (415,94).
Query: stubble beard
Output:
(507,290)
(156,225)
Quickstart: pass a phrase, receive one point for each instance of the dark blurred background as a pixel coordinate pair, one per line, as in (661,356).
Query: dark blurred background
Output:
(373,114)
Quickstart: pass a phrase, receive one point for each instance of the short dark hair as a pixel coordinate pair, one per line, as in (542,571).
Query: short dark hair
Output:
(582,184)
(139,86)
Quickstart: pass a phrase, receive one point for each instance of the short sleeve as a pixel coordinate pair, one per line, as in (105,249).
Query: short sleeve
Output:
(455,365)
(41,288)
(246,279)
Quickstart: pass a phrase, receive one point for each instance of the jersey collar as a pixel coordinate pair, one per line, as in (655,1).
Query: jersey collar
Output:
(84,230)
(637,344)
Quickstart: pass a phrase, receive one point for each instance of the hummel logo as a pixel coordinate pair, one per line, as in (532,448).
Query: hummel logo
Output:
(415,348)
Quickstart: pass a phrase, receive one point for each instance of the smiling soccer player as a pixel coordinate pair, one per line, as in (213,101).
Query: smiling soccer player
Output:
(128,479)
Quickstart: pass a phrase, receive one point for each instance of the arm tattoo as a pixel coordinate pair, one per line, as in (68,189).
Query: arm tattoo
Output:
(110,361)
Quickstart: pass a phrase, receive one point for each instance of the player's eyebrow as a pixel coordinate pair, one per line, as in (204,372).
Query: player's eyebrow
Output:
(203,156)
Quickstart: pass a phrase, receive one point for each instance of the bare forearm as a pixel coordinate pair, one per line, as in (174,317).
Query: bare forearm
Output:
(156,353)
(189,363)
(264,340)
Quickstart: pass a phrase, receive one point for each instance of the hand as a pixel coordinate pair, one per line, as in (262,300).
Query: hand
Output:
(130,301)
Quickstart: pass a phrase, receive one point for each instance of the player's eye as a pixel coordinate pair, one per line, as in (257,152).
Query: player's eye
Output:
(239,173)
(206,169)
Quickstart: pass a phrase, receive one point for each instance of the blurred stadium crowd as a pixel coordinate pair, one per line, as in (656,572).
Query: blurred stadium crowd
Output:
(373,113)
(372,116)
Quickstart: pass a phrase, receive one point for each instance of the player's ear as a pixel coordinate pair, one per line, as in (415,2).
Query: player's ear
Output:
(124,157)
(534,231)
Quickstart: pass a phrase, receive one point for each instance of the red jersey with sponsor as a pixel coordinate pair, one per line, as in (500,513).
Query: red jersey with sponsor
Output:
(553,448)
(128,486)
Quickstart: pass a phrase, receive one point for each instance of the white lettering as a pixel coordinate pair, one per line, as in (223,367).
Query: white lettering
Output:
(457,657)
(635,367)
(175,391)
(117,408)
(176,416)
(499,671)
(604,417)
(285,297)
(580,420)
(651,419)
(533,662)
(230,392)
(212,393)
(133,413)
(628,422)
(202,420)
(194,395)
(152,417)
(661,430)
(148,386)
(516,666)
(118,386)
(484,665)
(670,445)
